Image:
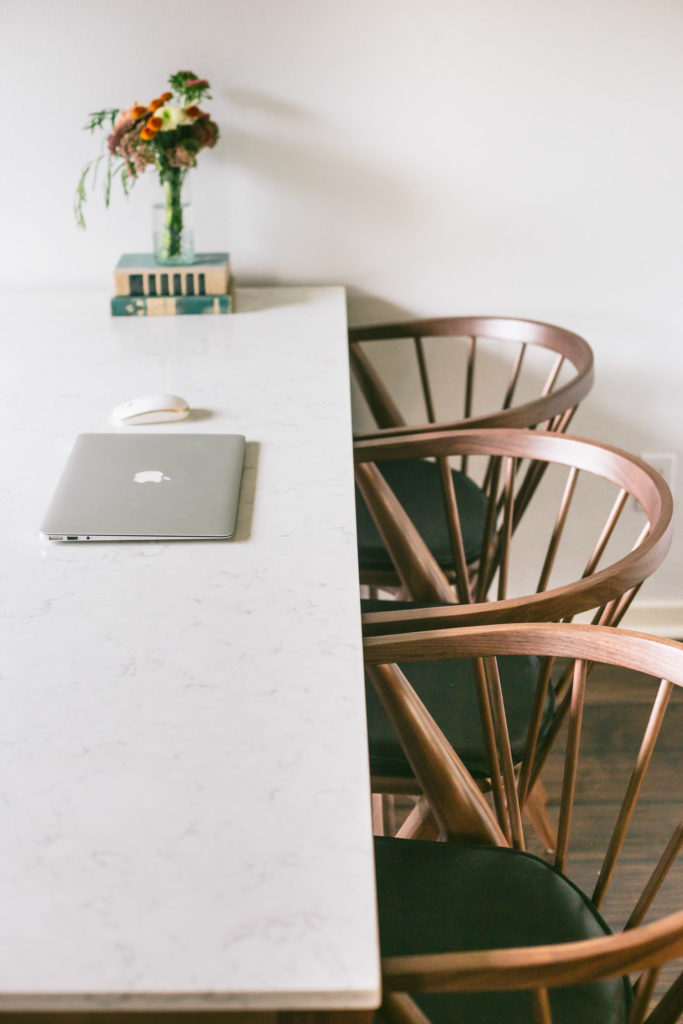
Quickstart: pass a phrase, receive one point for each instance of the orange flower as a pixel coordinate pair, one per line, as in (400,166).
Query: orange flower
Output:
(166,96)
(155,123)
(192,111)
(146,134)
(138,110)
(155,104)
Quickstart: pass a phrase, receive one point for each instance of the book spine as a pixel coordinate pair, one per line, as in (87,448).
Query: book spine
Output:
(171,281)
(133,305)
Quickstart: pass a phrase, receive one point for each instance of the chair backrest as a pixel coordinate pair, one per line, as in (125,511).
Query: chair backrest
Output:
(563,378)
(593,475)
(463,814)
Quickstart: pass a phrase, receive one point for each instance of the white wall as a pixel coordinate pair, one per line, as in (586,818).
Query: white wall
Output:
(432,155)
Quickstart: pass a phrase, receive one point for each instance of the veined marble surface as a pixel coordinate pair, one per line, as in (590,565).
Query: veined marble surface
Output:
(183,766)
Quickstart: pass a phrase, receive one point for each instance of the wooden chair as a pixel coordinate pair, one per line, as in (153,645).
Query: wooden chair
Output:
(544,372)
(558,363)
(477,929)
(616,480)
(602,575)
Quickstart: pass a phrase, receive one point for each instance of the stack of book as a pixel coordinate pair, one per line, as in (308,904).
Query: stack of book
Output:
(144,287)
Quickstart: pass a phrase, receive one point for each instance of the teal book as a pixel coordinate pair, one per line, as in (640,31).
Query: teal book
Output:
(172,305)
(146,261)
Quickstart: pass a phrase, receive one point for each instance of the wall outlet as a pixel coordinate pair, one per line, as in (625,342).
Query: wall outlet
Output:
(664,463)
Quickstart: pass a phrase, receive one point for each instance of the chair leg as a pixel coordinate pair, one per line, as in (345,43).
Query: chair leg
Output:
(389,805)
(420,823)
(377,814)
(383,814)
(399,1008)
(536,811)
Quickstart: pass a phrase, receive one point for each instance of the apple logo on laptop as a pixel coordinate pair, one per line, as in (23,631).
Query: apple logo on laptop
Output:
(150,476)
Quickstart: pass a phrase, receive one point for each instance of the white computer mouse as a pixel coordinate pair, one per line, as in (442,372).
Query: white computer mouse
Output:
(150,409)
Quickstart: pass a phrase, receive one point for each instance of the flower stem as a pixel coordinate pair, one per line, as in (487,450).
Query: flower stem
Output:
(171,238)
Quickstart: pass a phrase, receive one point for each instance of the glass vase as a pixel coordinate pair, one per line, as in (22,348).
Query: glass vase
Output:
(171,220)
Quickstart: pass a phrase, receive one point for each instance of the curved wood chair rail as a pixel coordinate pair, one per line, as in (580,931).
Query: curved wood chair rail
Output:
(552,408)
(538,967)
(641,652)
(595,589)
(546,966)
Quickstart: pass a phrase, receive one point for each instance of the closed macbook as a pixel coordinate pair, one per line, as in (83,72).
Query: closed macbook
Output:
(143,486)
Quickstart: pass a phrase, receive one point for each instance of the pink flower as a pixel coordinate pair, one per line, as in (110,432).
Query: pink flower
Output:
(180,157)
(196,81)
(121,118)
(205,132)
(137,153)
(120,129)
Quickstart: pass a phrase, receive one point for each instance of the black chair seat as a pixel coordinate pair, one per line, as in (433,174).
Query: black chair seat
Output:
(441,897)
(447,689)
(417,486)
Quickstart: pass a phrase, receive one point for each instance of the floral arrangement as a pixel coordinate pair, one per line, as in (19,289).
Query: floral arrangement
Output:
(167,134)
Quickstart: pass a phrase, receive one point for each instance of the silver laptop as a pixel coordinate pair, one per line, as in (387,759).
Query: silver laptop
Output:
(148,487)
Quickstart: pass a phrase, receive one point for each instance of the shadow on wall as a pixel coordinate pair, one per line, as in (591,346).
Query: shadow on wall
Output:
(307,201)
(364,308)
(326,187)
(261,103)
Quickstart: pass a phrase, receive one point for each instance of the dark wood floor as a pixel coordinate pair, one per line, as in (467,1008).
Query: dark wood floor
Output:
(616,711)
(617,708)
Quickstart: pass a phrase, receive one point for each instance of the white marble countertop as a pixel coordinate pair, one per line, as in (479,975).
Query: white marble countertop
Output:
(183,767)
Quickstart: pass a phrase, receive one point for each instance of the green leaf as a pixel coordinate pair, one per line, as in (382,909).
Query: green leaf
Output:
(95,168)
(107,185)
(80,196)
(189,94)
(98,118)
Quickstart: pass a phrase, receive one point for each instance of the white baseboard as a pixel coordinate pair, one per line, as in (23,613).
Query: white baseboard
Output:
(664,618)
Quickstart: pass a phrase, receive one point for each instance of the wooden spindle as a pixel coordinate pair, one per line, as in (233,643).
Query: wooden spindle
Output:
(553,375)
(512,384)
(469,390)
(632,790)
(506,532)
(643,994)
(462,578)
(538,707)
(505,751)
(558,529)
(380,402)
(424,379)
(660,872)
(607,531)
(489,527)
(491,746)
(540,1004)
(571,763)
